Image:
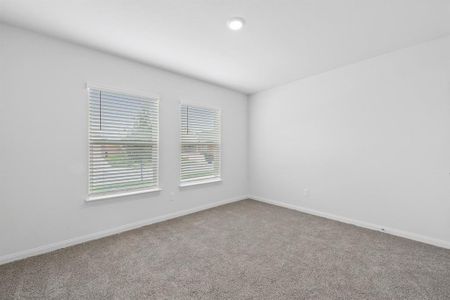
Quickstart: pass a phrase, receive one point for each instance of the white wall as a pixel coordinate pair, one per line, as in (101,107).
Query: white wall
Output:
(43,133)
(371,142)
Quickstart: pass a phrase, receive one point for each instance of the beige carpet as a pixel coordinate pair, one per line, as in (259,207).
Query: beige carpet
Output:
(244,250)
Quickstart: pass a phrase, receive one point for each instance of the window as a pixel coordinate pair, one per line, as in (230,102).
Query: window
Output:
(123,144)
(200,145)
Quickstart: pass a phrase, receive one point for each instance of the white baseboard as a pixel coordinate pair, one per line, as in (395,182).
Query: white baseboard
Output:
(104,233)
(392,231)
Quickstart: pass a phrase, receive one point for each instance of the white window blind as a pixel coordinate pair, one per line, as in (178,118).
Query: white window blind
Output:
(200,144)
(123,142)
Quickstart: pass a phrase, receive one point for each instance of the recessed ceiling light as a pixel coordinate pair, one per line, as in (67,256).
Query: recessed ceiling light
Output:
(235,23)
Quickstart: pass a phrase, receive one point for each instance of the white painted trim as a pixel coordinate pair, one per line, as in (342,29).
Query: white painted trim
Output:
(186,183)
(121,194)
(189,102)
(126,91)
(104,233)
(95,197)
(391,231)
(197,182)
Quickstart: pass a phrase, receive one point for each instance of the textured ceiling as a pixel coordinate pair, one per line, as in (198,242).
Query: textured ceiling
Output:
(283,40)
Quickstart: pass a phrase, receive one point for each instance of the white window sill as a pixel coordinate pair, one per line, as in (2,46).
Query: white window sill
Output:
(121,194)
(197,182)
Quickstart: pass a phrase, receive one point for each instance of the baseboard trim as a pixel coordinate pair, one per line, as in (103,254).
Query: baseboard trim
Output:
(104,233)
(391,231)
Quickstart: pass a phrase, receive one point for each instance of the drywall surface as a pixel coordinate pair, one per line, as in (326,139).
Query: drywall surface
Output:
(368,142)
(43,129)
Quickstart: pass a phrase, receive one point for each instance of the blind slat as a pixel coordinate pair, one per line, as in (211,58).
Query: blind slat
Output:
(200,143)
(123,142)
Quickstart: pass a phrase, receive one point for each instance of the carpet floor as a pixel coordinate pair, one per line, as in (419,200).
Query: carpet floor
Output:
(243,250)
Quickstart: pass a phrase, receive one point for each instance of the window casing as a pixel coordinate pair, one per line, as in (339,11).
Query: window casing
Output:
(123,143)
(200,144)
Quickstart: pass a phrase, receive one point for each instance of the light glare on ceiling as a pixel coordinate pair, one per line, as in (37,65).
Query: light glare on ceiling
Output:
(235,23)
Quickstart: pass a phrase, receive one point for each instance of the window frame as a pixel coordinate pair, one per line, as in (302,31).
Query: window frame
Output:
(200,181)
(121,193)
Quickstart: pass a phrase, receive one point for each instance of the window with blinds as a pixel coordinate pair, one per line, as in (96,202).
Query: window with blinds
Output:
(200,144)
(123,143)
